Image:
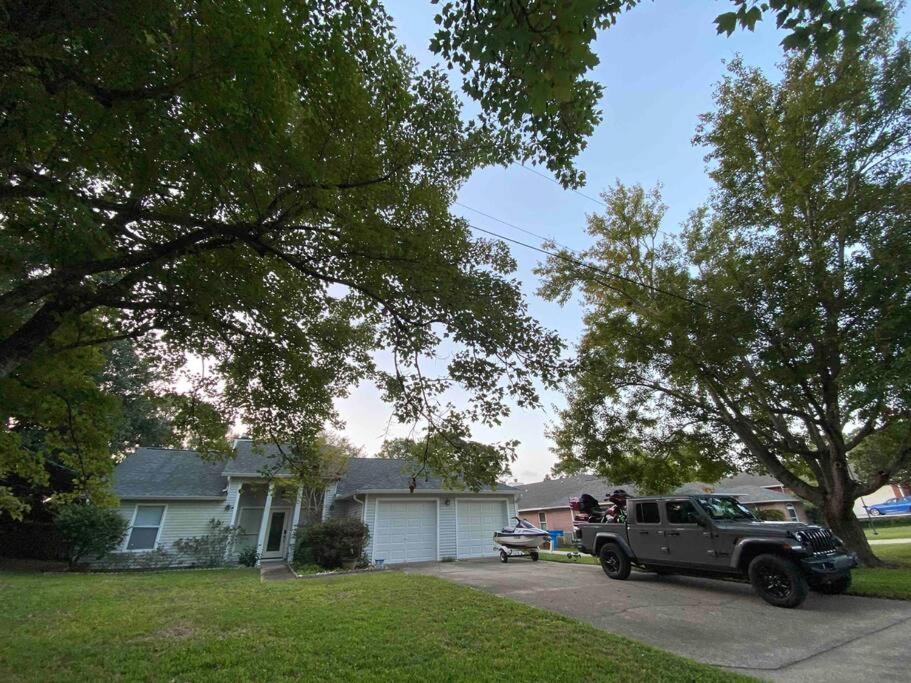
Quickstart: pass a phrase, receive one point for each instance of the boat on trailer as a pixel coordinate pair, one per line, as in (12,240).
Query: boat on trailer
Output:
(521,539)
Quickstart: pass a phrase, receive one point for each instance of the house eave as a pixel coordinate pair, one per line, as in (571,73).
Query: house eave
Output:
(419,491)
(157,497)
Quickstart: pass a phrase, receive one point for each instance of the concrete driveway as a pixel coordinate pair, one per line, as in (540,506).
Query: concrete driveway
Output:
(831,638)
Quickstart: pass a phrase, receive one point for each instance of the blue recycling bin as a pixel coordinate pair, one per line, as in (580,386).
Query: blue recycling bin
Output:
(554,535)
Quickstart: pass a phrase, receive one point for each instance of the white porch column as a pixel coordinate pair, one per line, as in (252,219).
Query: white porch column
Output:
(264,525)
(232,501)
(295,521)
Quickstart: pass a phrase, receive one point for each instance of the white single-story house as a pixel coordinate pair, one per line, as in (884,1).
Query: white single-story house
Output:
(169,494)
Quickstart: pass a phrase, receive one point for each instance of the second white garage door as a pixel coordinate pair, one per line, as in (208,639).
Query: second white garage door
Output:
(477,520)
(405,531)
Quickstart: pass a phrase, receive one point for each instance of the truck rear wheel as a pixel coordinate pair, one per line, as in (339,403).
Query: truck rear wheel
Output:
(614,561)
(778,580)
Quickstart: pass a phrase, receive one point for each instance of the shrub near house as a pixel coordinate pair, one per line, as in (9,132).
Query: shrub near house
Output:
(331,544)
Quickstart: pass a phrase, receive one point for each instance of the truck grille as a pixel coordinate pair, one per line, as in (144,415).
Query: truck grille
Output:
(819,540)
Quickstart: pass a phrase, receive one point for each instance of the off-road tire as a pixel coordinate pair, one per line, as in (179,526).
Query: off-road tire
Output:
(614,561)
(778,580)
(836,587)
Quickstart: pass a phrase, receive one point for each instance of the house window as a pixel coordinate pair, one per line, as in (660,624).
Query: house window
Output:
(146,525)
(542,521)
(792,513)
(647,513)
(249,523)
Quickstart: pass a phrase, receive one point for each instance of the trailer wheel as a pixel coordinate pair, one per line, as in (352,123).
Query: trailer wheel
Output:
(534,555)
(504,557)
(614,561)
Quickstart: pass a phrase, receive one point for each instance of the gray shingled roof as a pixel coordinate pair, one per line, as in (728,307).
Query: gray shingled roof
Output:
(744,479)
(756,494)
(381,474)
(167,473)
(254,458)
(555,493)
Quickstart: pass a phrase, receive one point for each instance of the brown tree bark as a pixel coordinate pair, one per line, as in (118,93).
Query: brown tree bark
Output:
(841,520)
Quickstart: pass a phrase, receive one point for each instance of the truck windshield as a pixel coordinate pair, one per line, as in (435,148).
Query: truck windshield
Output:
(719,507)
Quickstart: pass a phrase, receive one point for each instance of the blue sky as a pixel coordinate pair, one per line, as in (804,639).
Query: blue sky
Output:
(658,67)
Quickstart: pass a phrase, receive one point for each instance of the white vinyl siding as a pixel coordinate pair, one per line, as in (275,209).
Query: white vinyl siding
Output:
(477,521)
(182,519)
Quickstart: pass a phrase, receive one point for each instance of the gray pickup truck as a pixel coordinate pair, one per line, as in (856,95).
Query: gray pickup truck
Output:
(713,535)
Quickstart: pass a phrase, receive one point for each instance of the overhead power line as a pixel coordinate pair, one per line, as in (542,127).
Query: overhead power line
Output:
(592,267)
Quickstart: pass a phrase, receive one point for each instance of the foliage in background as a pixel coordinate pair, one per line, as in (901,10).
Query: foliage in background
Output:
(460,462)
(208,550)
(330,543)
(89,531)
(770,515)
(775,331)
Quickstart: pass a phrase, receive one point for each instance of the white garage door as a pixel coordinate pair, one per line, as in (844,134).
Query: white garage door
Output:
(405,531)
(477,520)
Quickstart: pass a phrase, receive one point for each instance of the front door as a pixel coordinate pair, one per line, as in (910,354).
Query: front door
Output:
(276,535)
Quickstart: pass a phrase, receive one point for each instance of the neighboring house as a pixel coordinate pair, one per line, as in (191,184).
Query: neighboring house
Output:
(759,493)
(881,495)
(169,494)
(546,503)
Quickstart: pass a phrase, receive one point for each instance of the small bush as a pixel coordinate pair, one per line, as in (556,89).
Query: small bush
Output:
(329,543)
(89,530)
(209,550)
(248,556)
(770,515)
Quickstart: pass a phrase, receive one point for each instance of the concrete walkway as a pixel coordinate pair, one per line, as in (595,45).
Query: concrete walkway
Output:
(888,541)
(275,571)
(829,638)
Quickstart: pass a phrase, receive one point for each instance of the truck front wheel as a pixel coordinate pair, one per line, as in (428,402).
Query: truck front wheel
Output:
(778,580)
(614,561)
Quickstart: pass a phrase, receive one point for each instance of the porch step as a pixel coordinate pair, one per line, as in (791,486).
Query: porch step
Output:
(275,571)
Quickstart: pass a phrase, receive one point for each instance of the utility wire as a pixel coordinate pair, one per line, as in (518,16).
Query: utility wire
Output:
(594,268)
(557,183)
(572,189)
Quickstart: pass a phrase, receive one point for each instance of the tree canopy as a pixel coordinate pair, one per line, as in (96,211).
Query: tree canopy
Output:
(267,186)
(775,330)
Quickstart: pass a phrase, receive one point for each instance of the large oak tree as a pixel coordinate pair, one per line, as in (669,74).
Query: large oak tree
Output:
(775,330)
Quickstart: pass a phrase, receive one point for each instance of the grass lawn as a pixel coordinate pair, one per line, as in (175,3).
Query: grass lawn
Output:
(557,557)
(903,531)
(226,625)
(886,583)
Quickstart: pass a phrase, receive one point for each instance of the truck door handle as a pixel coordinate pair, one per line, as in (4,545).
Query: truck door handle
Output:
(672,533)
(644,533)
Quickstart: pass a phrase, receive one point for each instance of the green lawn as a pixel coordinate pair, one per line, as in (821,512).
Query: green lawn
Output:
(226,625)
(886,583)
(903,531)
(557,557)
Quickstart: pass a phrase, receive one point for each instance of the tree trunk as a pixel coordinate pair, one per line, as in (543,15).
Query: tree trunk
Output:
(845,525)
